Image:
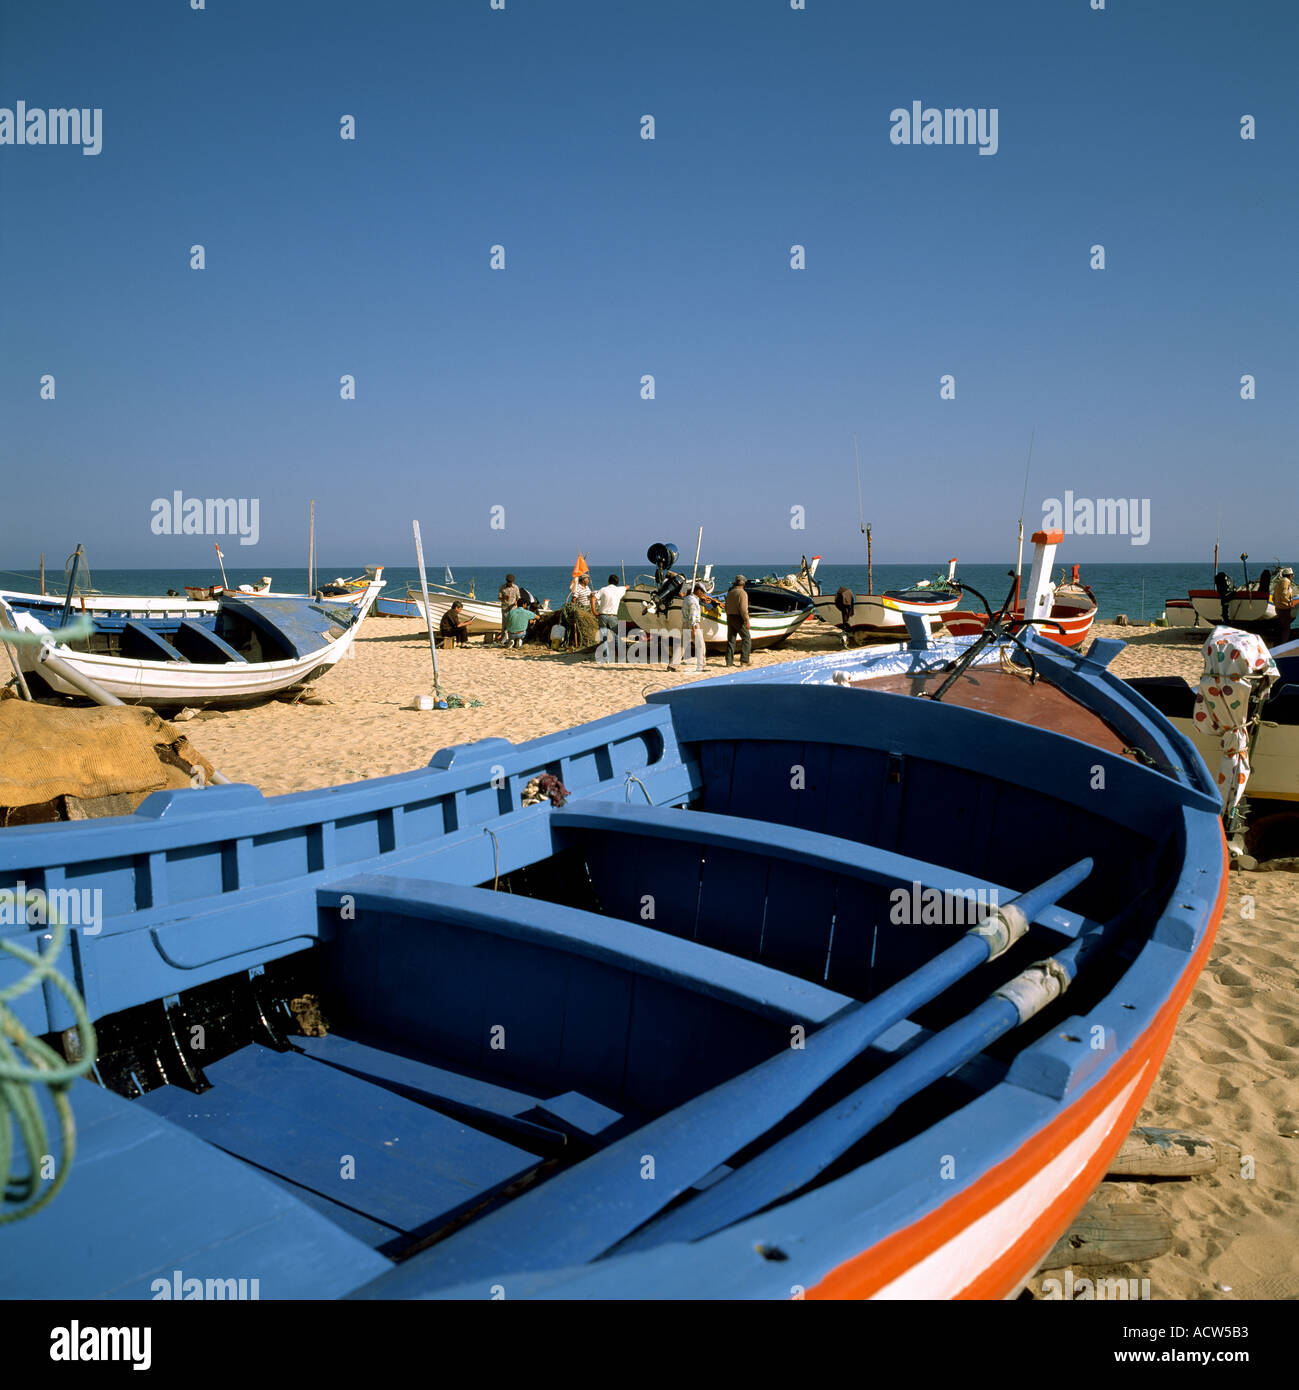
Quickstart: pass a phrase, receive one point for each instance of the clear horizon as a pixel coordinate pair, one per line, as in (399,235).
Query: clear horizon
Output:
(506,408)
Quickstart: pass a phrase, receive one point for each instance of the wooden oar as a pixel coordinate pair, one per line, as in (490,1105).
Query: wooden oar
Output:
(584,1211)
(799,1158)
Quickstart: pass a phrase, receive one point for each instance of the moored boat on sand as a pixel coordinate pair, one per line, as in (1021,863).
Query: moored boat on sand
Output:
(1068,608)
(250,649)
(462,989)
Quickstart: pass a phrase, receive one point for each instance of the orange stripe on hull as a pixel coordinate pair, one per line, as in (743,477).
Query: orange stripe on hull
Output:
(866,1274)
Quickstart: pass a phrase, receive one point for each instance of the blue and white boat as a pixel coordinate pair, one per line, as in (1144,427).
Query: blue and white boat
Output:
(819,980)
(248,649)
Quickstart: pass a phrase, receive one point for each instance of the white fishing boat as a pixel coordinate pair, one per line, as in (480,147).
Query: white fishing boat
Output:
(1180,612)
(655,606)
(119,605)
(250,649)
(878,615)
(1243,606)
(478,615)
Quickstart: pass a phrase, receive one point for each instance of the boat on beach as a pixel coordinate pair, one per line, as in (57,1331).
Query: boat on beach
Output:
(110,605)
(1247,605)
(882,616)
(1068,609)
(1269,712)
(654,605)
(1180,612)
(721,1016)
(249,649)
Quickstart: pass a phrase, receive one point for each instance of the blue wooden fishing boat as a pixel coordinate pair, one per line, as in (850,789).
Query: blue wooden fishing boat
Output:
(247,649)
(842,977)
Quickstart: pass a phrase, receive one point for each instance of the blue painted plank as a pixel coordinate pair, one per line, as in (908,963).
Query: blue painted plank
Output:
(196,642)
(749,986)
(416,1079)
(797,919)
(413,1167)
(145,1198)
(142,642)
(732,900)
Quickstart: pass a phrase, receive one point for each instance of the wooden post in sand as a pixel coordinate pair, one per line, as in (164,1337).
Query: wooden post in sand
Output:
(428,612)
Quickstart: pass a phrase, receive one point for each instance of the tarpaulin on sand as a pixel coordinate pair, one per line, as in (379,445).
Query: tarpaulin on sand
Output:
(1237,665)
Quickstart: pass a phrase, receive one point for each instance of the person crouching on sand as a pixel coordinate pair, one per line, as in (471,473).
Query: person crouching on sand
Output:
(517,627)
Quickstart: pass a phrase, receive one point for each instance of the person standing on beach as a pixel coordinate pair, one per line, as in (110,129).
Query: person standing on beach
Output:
(692,628)
(582,595)
(845,600)
(1283,600)
(606,603)
(737,622)
(509,596)
(606,614)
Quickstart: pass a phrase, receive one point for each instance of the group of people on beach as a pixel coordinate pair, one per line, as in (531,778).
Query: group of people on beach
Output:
(519,608)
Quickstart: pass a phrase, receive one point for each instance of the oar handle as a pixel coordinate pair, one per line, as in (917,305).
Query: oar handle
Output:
(1008,921)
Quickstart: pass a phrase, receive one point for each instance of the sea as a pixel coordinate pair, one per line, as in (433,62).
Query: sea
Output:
(1137,590)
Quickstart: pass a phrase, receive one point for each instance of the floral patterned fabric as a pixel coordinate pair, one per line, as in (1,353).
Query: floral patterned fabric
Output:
(1236,666)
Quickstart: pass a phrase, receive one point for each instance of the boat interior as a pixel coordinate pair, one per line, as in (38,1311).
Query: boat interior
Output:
(241,630)
(413,1025)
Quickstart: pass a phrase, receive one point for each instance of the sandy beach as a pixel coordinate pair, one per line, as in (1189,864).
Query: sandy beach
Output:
(1231,1072)
(364,725)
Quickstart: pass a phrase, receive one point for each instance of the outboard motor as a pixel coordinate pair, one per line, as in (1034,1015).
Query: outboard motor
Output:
(667,583)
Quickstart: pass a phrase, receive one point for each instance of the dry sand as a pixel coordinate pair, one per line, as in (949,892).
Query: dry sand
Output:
(366,728)
(1231,1071)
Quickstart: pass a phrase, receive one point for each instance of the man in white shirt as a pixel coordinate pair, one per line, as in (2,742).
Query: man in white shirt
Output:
(606,602)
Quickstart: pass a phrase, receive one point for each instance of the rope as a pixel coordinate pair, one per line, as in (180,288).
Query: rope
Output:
(496,858)
(631,777)
(26,1062)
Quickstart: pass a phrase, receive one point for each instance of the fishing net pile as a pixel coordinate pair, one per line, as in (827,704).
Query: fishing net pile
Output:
(581,630)
(70,764)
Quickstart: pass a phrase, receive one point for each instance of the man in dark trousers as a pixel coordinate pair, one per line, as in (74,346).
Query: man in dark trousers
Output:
(845,600)
(453,627)
(737,622)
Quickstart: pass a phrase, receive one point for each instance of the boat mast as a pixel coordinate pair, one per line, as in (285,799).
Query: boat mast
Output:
(311,548)
(694,573)
(221,560)
(42,573)
(1019,557)
(863,525)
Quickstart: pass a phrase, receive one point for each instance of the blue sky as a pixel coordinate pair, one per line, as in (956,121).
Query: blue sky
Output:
(521,388)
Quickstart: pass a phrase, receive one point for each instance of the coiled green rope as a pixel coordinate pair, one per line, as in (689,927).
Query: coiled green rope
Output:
(27,1063)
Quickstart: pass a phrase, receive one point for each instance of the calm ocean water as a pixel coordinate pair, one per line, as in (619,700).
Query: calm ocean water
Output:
(1134,589)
